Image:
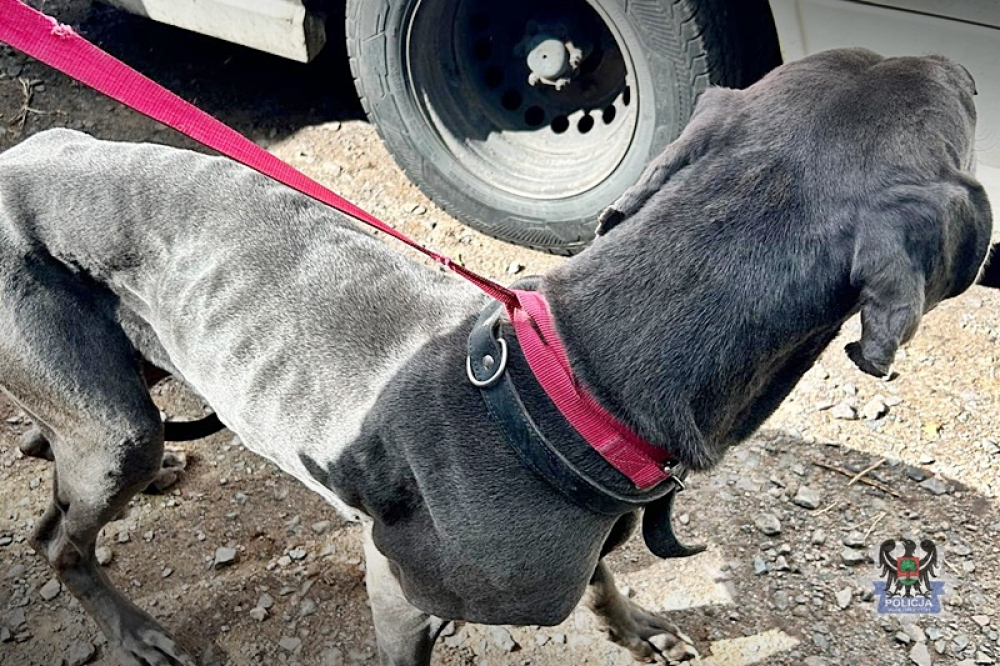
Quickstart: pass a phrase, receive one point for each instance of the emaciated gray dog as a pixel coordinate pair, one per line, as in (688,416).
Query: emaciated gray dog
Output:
(839,183)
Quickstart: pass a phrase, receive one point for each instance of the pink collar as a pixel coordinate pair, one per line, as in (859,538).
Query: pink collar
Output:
(643,463)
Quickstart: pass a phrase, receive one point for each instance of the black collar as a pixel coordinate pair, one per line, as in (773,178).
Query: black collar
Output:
(494,364)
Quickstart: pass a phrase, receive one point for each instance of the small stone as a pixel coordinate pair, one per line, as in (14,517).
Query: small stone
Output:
(104,555)
(333,657)
(983,658)
(224,557)
(5,635)
(844,598)
(759,565)
(322,527)
(903,637)
(781,564)
(290,644)
(515,267)
(915,633)
(919,655)
(50,590)
(875,409)
(844,412)
(927,458)
(818,537)
(15,619)
(852,557)
(807,498)
(934,486)
(80,653)
(258,613)
(307,607)
(854,539)
(502,639)
(297,554)
(915,473)
(815,661)
(768,524)
(266,601)
(981,620)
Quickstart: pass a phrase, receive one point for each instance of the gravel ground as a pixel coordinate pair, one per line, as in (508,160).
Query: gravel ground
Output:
(247,567)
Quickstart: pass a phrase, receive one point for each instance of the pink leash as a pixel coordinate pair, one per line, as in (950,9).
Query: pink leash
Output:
(57,45)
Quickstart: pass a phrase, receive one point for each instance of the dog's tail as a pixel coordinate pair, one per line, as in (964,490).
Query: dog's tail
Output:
(185,431)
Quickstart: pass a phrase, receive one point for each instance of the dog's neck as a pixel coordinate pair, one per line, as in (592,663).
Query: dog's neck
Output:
(675,355)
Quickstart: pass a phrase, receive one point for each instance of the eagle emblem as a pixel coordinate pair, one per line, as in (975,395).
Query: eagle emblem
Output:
(908,584)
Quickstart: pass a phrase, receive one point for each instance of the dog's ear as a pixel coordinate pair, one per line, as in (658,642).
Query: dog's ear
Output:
(892,303)
(921,246)
(687,148)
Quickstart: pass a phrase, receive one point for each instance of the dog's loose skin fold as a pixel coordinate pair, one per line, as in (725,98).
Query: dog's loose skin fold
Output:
(838,184)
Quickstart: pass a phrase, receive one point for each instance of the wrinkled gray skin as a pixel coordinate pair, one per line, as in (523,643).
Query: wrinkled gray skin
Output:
(839,183)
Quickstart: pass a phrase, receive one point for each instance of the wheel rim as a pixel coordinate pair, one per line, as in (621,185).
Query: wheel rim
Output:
(470,81)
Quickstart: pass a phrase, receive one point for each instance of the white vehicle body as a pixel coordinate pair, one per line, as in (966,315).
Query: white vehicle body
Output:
(968,31)
(281,27)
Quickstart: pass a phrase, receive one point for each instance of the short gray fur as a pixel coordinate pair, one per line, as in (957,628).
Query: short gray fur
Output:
(839,183)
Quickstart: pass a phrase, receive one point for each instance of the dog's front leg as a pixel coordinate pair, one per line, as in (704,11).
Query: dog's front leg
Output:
(649,637)
(405,634)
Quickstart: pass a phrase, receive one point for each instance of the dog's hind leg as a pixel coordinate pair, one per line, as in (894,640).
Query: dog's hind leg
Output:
(649,637)
(406,635)
(34,443)
(63,358)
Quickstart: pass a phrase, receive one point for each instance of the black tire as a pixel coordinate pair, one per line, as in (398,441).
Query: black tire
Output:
(426,72)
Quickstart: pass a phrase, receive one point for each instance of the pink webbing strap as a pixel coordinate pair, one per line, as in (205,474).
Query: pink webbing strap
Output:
(634,457)
(58,46)
(45,39)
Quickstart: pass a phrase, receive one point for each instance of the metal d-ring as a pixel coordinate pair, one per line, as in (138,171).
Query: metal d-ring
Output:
(501,366)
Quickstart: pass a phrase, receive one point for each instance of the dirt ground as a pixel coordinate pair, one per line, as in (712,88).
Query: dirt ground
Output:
(801,593)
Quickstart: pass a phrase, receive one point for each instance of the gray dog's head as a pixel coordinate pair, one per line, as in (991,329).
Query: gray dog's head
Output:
(838,183)
(923,221)
(882,148)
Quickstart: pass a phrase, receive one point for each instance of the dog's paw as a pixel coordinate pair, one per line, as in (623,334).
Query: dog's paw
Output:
(174,463)
(650,638)
(149,645)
